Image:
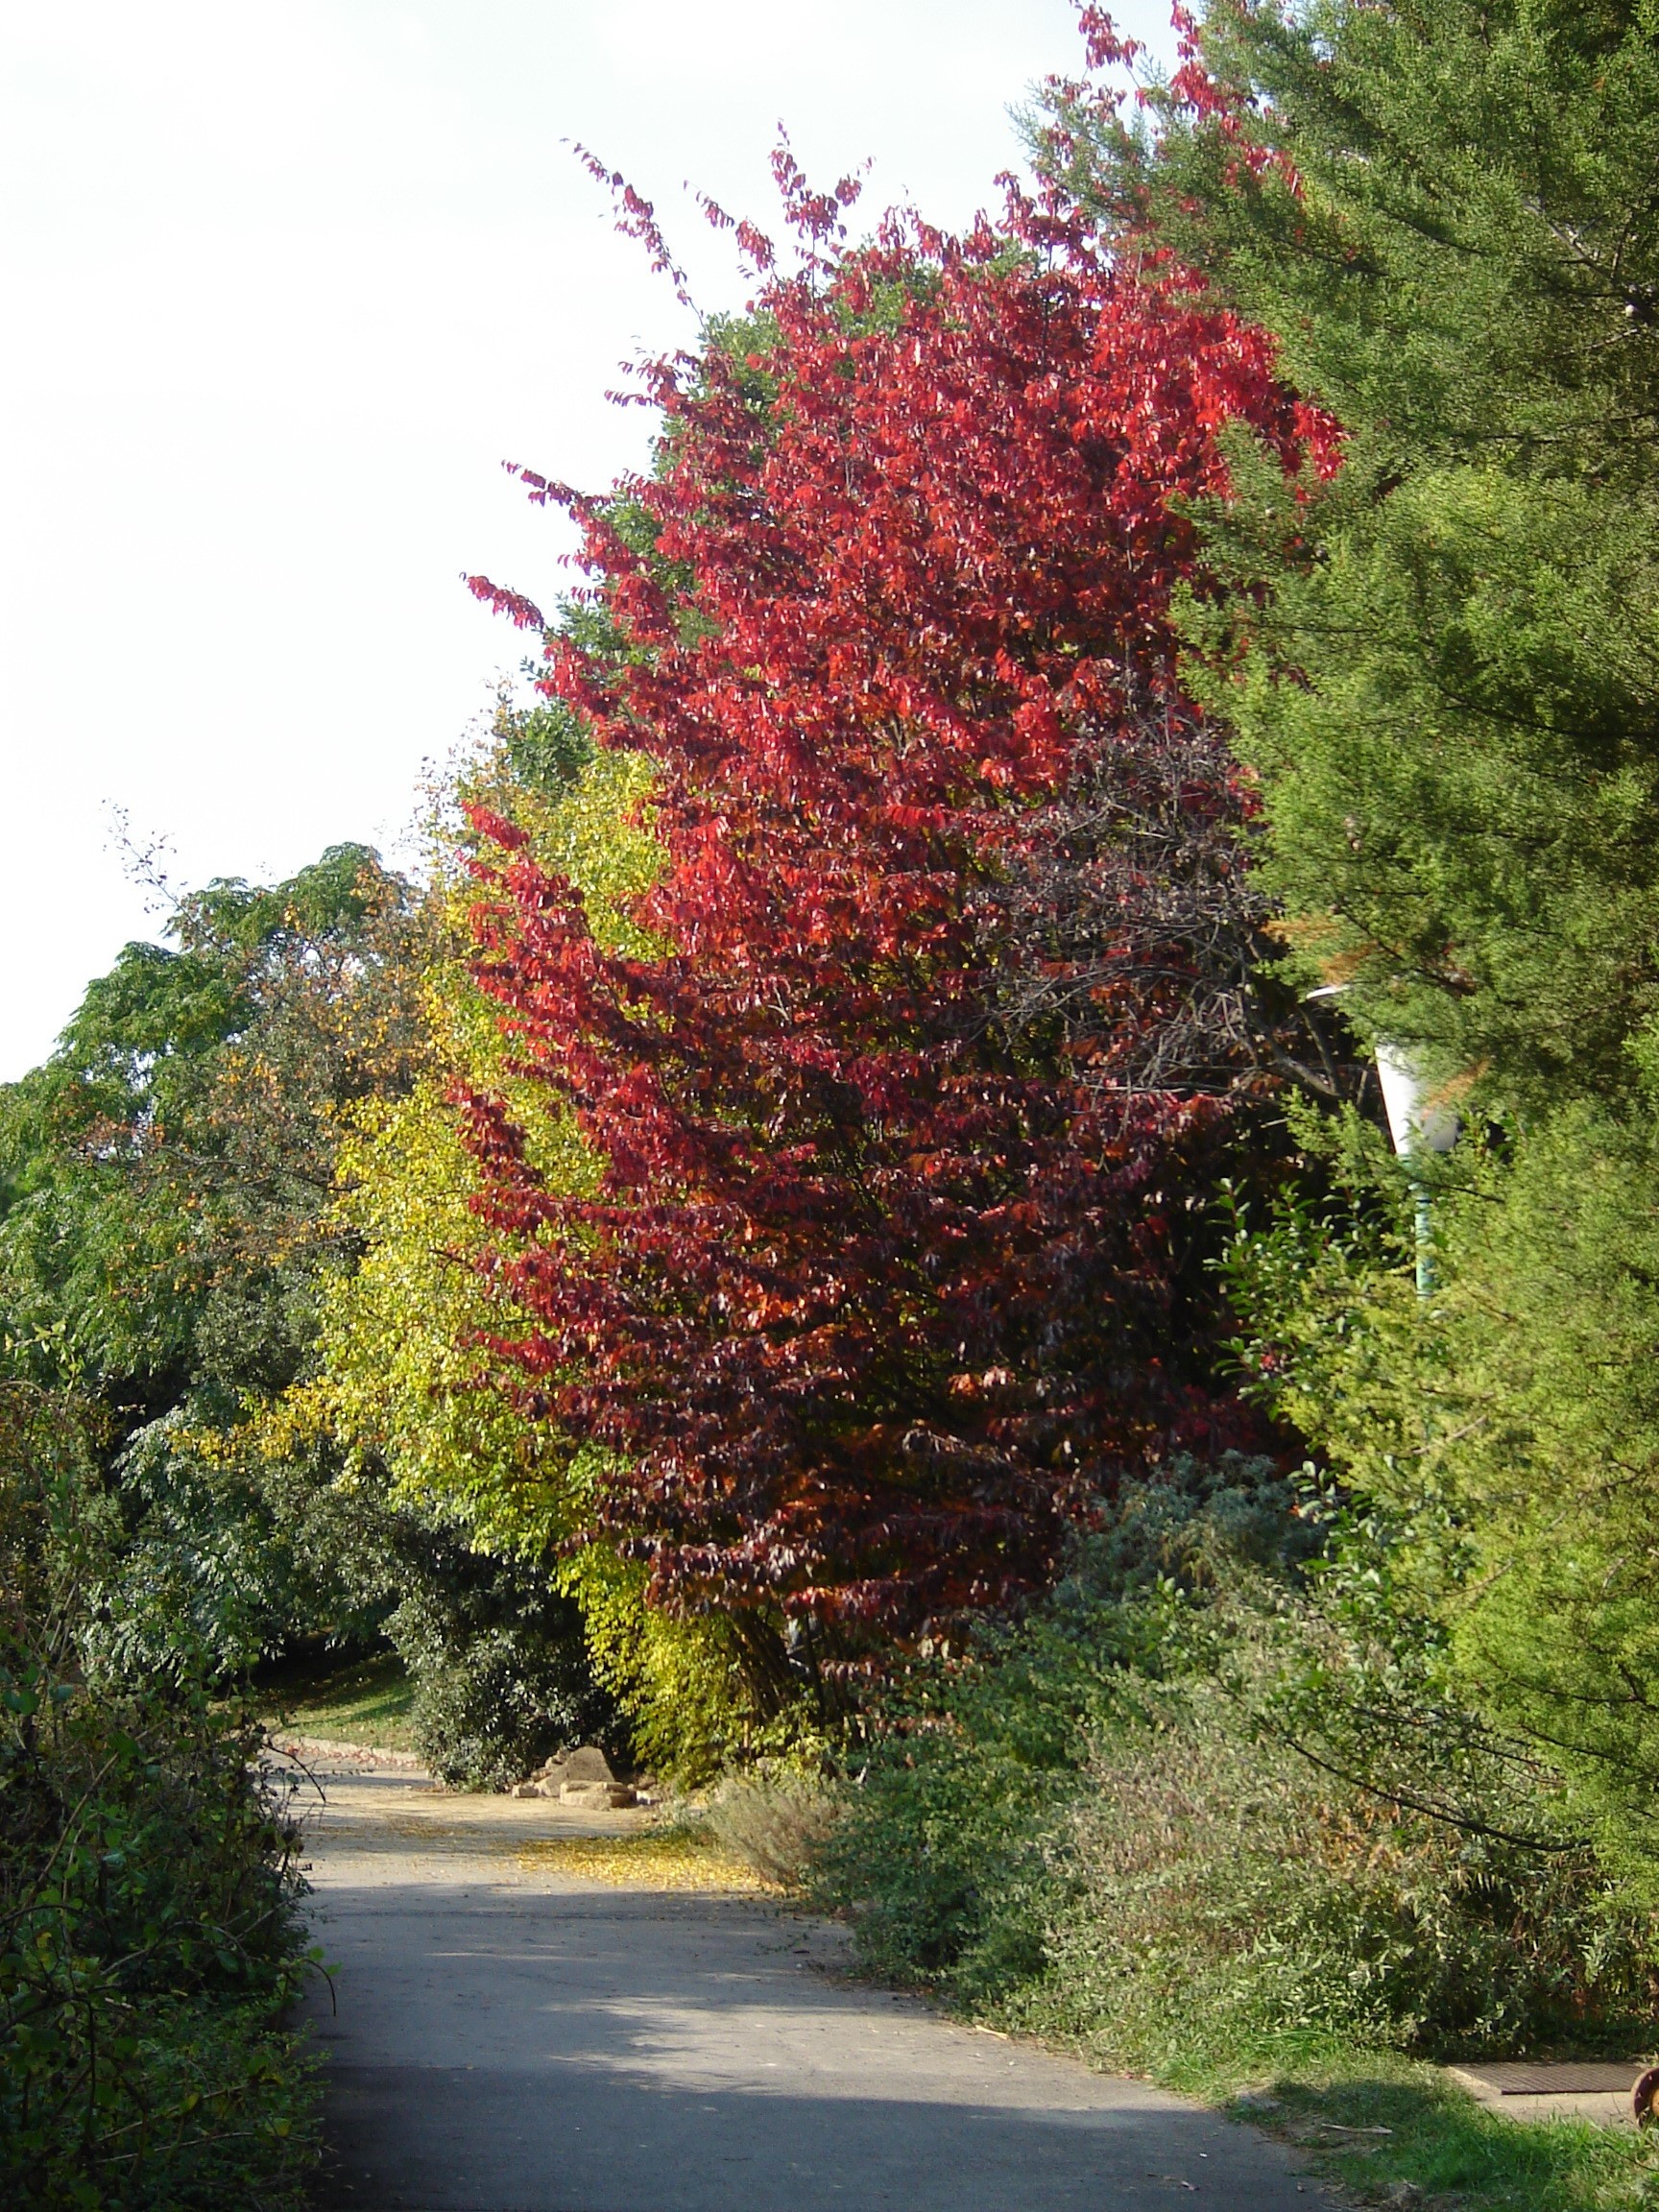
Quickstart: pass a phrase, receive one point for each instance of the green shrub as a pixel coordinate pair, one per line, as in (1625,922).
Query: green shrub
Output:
(945,1850)
(1209,1799)
(502,1677)
(1222,1892)
(150,1938)
(1509,1426)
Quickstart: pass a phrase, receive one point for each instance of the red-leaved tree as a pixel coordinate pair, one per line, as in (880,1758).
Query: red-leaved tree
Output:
(905,1136)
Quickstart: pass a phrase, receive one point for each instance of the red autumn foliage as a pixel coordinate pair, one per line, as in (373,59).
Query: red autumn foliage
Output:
(891,1267)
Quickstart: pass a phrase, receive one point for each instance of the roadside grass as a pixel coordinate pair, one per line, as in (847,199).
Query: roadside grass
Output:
(365,1702)
(1396,2131)
(1442,2143)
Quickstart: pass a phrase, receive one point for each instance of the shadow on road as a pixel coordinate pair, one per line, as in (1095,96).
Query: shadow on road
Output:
(509,2040)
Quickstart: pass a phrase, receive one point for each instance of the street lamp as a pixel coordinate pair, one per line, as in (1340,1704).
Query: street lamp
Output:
(1416,1124)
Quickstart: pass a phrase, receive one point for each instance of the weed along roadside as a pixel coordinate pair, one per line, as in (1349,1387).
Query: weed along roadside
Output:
(1126,1860)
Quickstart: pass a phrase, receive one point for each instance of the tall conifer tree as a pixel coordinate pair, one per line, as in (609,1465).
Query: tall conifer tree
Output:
(1446,212)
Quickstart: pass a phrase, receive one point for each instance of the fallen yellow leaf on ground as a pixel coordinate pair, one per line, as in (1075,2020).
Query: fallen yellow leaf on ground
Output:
(660,1861)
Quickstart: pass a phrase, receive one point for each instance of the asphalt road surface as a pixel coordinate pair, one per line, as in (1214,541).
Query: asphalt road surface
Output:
(509,2038)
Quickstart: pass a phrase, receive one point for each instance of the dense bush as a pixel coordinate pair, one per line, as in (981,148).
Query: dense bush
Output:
(1230,1892)
(1210,1800)
(1509,1426)
(500,1666)
(149,1934)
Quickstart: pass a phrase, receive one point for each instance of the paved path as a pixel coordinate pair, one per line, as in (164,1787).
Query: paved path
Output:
(514,2040)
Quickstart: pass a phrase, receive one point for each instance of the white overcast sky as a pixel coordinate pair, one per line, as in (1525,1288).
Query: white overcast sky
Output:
(283,285)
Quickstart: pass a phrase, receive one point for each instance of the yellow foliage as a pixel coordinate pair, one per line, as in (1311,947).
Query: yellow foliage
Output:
(403,1376)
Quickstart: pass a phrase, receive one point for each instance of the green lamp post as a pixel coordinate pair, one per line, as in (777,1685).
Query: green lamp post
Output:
(1417,1126)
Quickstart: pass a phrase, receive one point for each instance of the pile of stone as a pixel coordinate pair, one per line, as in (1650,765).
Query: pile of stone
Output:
(581,1778)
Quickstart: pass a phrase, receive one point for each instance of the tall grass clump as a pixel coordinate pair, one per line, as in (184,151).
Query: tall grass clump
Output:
(775,1817)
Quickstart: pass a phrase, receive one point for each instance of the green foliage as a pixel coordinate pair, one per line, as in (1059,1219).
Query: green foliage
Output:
(544,748)
(148,1937)
(1451,686)
(1212,1800)
(1505,1430)
(686,1683)
(1443,664)
(501,1672)
(1235,1890)
(163,1244)
(174,1216)
(944,1850)
(162,1169)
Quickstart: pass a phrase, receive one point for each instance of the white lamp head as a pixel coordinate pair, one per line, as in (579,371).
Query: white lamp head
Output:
(1412,1122)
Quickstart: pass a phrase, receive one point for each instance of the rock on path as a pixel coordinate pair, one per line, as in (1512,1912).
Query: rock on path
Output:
(514,2040)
